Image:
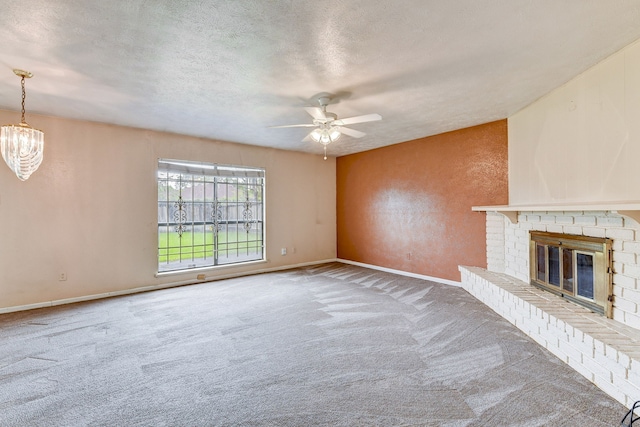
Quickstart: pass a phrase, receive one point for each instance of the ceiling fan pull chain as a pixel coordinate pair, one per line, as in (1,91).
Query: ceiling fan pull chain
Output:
(325,152)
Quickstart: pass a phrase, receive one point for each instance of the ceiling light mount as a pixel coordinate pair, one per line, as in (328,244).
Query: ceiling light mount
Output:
(23,73)
(21,145)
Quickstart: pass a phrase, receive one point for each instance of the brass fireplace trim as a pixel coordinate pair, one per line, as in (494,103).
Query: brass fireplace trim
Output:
(599,248)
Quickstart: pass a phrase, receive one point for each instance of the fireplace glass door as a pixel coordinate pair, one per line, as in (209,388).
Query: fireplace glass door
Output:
(577,268)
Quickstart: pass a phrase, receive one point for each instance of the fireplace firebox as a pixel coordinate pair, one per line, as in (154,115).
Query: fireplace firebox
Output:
(577,268)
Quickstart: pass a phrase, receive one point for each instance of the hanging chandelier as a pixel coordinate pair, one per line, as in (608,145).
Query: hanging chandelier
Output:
(22,146)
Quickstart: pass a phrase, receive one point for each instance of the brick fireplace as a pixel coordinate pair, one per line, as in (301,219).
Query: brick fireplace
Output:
(605,351)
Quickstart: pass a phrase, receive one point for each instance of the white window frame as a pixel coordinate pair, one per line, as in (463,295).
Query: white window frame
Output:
(209,215)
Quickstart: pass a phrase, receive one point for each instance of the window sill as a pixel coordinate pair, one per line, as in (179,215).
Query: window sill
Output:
(209,268)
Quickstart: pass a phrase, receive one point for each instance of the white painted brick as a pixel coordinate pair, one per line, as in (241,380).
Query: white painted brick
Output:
(611,365)
(564,219)
(557,352)
(631,247)
(525,226)
(633,378)
(609,221)
(554,228)
(632,320)
(617,245)
(521,233)
(524,276)
(523,247)
(584,348)
(573,213)
(508,269)
(617,291)
(495,249)
(533,218)
(571,351)
(557,333)
(585,220)
(582,370)
(608,387)
(624,281)
(628,270)
(539,227)
(540,339)
(572,229)
(626,306)
(596,368)
(624,257)
(620,233)
(631,295)
(618,315)
(625,361)
(626,387)
(549,219)
(593,231)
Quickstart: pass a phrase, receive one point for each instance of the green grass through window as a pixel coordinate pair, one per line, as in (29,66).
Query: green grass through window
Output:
(172,247)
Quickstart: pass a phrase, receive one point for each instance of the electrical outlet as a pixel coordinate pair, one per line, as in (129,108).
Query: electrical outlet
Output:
(62,277)
(283,251)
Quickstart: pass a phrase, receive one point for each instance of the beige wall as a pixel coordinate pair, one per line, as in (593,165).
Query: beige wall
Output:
(580,143)
(91,209)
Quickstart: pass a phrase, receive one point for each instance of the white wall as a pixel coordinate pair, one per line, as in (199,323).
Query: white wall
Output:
(91,209)
(581,142)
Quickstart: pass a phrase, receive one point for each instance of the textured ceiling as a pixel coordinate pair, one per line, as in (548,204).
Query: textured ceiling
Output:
(229,69)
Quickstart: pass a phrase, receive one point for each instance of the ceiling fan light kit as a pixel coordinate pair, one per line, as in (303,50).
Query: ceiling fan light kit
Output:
(21,145)
(328,128)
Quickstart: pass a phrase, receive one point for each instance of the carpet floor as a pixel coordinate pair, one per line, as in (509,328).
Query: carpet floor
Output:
(330,345)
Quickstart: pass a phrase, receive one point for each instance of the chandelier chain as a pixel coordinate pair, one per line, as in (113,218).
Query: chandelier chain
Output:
(23,98)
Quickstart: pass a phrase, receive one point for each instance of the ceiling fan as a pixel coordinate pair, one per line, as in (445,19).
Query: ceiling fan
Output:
(328,128)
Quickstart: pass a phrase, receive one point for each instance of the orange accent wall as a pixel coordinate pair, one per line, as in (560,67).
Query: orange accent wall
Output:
(408,206)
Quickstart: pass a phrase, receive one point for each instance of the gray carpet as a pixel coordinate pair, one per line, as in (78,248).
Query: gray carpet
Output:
(330,345)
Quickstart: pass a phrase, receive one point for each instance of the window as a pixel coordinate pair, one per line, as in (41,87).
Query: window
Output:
(577,268)
(209,215)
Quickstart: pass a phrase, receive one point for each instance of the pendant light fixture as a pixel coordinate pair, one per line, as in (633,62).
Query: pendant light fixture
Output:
(22,146)
(325,134)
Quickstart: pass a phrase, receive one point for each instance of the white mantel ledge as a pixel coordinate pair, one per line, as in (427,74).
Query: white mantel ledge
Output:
(628,209)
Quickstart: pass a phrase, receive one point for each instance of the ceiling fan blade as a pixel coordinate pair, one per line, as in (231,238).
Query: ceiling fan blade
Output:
(308,125)
(358,119)
(352,132)
(316,113)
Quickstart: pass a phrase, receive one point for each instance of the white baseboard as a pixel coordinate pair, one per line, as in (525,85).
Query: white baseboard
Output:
(154,287)
(402,273)
(213,279)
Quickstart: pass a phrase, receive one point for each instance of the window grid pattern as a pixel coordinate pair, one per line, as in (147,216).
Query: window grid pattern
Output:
(208,220)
